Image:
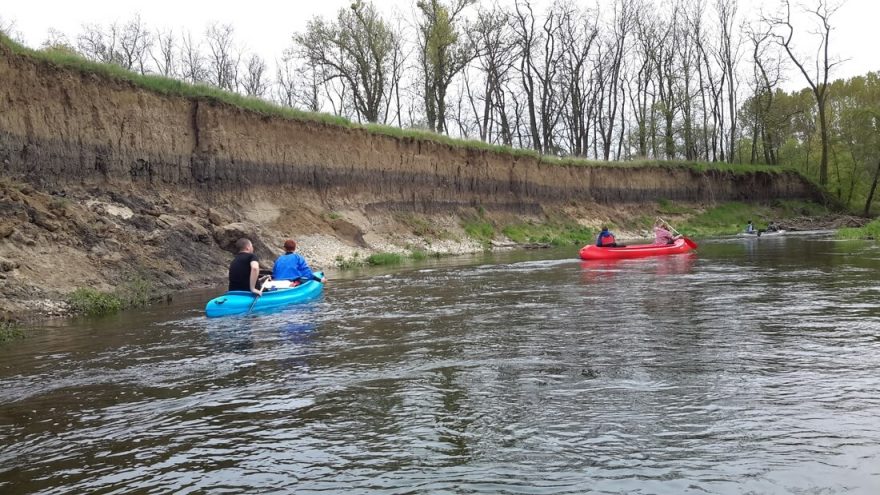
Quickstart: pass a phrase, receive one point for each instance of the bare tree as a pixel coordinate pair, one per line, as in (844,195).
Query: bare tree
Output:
(163,53)
(359,48)
(818,80)
(524,26)
(609,68)
(492,38)
(55,39)
(223,56)
(135,42)
(7,27)
(578,33)
(728,56)
(254,82)
(193,67)
(100,45)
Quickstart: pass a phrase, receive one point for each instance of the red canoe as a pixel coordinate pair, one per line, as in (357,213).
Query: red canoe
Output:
(592,252)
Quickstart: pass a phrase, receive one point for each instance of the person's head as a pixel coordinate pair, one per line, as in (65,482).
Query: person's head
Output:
(604,228)
(290,245)
(750,221)
(244,245)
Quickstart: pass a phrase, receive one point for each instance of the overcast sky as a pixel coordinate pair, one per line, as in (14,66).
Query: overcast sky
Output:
(266,27)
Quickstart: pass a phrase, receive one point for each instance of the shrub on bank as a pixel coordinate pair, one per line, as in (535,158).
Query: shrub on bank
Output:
(870,231)
(550,233)
(9,331)
(94,302)
(384,259)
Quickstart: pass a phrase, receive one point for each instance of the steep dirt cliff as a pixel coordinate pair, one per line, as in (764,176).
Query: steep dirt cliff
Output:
(105,179)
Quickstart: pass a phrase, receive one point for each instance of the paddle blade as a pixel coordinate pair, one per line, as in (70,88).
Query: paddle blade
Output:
(690,243)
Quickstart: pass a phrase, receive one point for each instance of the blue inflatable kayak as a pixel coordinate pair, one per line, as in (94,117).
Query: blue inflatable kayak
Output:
(239,302)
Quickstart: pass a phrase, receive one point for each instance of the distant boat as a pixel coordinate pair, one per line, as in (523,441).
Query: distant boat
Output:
(758,233)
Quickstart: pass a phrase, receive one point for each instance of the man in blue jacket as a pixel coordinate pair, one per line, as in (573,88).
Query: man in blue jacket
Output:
(292,266)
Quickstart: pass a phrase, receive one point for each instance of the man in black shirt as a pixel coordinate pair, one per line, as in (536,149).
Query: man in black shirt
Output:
(244,269)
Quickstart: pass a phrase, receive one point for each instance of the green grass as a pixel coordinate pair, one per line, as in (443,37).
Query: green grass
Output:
(728,218)
(792,208)
(136,292)
(870,231)
(380,259)
(666,207)
(479,229)
(555,234)
(10,331)
(344,263)
(418,255)
(173,87)
(94,302)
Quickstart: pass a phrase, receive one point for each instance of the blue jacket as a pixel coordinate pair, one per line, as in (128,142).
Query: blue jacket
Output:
(291,266)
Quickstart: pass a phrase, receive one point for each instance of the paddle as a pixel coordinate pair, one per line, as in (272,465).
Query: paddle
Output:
(257,296)
(692,244)
(251,308)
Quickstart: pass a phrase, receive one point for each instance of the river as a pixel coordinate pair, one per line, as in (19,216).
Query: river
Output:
(750,366)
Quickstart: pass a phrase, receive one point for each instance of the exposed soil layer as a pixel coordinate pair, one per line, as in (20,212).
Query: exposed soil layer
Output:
(104,181)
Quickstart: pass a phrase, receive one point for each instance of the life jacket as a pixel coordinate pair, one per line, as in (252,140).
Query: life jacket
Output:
(608,240)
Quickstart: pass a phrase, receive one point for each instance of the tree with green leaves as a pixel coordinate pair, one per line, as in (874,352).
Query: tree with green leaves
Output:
(444,52)
(818,80)
(358,49)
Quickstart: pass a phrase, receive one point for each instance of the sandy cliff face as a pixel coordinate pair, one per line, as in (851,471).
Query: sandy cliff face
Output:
(58,126)
(101,178)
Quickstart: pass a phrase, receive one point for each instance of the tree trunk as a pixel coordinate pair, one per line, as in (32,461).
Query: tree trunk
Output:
(823,129)
(873,189)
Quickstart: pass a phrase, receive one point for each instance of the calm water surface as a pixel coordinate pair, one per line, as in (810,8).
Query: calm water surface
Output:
(749,367)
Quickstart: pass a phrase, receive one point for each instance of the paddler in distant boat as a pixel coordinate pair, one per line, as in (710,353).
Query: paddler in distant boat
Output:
(292,266)
(750,228)
(662,236)
(606,238)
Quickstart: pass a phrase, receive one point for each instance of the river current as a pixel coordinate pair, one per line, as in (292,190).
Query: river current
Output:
(749,366)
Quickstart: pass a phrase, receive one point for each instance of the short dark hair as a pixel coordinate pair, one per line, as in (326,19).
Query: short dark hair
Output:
(242,243)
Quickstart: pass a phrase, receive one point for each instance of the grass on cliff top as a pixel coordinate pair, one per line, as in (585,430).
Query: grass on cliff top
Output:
(174,87)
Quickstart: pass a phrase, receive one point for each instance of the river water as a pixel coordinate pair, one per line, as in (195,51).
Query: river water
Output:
(751,366)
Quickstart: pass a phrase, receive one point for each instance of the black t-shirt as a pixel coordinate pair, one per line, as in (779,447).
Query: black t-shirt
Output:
(240,272)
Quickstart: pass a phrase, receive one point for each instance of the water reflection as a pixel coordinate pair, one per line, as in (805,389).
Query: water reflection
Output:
(603,270)
(721,371)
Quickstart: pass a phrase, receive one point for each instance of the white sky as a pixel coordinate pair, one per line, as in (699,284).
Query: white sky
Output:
(266,27)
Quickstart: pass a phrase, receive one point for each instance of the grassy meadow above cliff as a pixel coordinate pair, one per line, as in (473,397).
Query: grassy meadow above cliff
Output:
(173,87)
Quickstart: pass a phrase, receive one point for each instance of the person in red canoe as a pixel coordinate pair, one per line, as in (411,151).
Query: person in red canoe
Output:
(606,239)
(662,236)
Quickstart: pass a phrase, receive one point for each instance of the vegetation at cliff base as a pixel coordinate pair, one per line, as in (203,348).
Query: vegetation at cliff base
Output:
(870,231)
(554,234)
(134,293)
(9,331)
(731,218)
(379,259)
(93,302)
